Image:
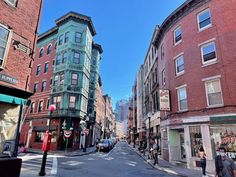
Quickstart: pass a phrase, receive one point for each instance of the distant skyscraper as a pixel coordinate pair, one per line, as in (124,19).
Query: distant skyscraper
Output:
(121,112)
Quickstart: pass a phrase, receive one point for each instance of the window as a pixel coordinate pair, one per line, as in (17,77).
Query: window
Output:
(43,86)
(62,78)
(38,70)
(179,65)
(208,53)
(163,77)
(48,103)
(39,136)
(49,49)
(40,108)
(32,107)
(72,102)
(50,81)
(41,53)
(213,93)
(94,60)
(76,58)
(196,139)
(4,37)
(162,51)
(74,79)
(58,59)
(177,36)
(11,2)
(64,57)
(56,78)
(57,101)
(66,37)
(182,99)
(78,37)
(204,20)
(60,39)
(36,87)
(46,67)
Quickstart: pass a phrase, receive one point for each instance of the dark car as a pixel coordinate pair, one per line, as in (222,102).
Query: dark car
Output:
(104,145)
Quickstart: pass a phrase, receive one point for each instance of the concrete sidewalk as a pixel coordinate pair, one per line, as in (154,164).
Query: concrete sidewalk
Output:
(65,153)
(168,167)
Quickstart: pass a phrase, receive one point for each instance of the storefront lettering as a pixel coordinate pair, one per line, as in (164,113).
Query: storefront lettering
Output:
(231,155)
(8,79)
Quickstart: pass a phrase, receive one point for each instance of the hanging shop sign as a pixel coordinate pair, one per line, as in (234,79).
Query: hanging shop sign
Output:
(164,100)
(67,133)
(8,79)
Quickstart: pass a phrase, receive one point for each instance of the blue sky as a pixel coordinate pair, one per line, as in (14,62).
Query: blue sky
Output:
(124,29)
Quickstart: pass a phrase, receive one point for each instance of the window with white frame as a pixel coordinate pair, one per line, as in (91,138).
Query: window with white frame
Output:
(11,2)
(41,53)
(182,98)
(177,35)
(179,65)
(56,79)
(36,87)
(62,78)
(4,38)
(66,37)
(163,73)
(76,58)
(208,53)
(204,19)
(60,40)
(57,101)
(32,107)
(72,102)
(40,108)
(78,37)
(213,92)
(43,88)
(74,79)
(49,49)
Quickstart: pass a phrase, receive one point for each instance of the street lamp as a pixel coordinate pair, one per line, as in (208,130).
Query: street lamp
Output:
(46,141)
(149,130)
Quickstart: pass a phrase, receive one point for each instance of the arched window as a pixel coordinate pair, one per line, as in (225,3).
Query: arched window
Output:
(49,49)
(41,53)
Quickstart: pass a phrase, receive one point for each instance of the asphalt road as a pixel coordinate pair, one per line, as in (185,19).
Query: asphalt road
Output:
(120,162)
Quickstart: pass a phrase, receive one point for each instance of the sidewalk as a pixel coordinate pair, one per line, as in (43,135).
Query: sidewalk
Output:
(168,167)
(79,152)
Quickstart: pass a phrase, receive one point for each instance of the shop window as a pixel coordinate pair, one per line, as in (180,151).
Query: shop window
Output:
(224,135)
(39,136)
(196,140)
(54,137)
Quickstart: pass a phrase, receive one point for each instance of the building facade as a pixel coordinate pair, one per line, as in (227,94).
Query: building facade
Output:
(196,63)
(65,70)
(18,35)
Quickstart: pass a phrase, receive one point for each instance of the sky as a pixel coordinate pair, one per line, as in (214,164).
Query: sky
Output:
(124,30)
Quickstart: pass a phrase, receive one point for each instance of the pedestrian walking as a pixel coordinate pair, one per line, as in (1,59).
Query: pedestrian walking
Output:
(202,155)
(155,148)
(225,166)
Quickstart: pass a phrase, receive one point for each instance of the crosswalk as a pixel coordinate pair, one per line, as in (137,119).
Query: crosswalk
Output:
(31,164)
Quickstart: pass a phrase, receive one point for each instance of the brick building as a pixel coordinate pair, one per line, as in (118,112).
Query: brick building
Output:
(196,63)
(18,35)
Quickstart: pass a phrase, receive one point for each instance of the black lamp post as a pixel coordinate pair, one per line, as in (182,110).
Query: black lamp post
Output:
(83,126)
(42,170)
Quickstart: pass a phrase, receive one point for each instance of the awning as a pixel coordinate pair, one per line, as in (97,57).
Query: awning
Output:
(13,99)
(223,120)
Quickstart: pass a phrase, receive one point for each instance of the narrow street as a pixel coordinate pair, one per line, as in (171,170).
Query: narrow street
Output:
(121,161)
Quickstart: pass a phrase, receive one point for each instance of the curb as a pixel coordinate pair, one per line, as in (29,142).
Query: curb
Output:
(158,167)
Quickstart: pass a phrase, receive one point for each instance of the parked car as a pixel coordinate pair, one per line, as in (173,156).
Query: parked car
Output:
(104,145)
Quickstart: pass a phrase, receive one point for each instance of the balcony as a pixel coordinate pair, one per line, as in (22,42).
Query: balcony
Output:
(66,113)
(58,88)
(73,88)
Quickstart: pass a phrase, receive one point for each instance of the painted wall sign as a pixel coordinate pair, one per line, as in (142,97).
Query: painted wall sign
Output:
(164,100)
(8,79)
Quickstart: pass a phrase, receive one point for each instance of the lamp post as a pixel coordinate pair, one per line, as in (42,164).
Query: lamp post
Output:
(149,130)
(83,126)
(46,141)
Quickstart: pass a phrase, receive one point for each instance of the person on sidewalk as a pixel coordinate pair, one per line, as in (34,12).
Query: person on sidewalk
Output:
(155,150)
(202,155)
(225,166)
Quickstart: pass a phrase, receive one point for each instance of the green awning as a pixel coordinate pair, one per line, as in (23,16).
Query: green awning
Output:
(223,120)
(12,99)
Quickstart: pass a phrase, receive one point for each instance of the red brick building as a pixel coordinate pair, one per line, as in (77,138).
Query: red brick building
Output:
(196,63)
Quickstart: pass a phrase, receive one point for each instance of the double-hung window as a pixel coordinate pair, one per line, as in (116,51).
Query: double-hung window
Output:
(78,37)
(36,87)
(46,67)
(64,57)
(32,107)
(11,2)
(208,52)
(72,102)
(76,58)
(60,40)
(57,101)
(4,37)
(43,88)
(182,99)
(49,49)
(38,70)
(179,65)
(66,37)
(41,52)
(213,92)
(59,59)
(74,79)
(177,35)
(40,108)
(204,20)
